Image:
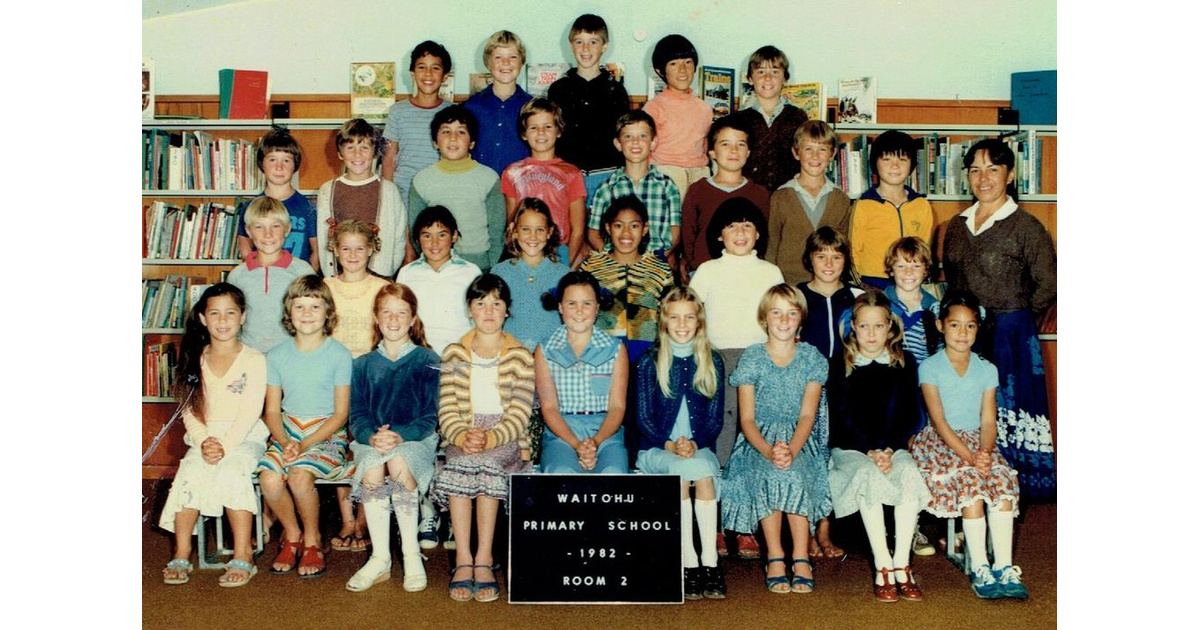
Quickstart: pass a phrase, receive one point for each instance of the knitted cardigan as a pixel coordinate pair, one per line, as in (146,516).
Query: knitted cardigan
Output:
(515,381)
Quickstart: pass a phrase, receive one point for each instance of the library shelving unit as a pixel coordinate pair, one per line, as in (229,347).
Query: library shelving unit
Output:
(316,139)
(318,116)
(1042,204)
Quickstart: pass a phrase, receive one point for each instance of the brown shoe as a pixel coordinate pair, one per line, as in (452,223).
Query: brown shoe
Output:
(722,551)
(886,592)
(748,547)
(909,590)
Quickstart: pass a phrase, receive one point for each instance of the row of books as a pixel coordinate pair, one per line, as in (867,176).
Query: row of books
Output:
(939,169)
(166,301)
(195,160)
(158,369)
(190,232)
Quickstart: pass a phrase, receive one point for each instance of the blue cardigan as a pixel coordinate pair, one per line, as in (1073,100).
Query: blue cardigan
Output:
(657,413)
(401,393)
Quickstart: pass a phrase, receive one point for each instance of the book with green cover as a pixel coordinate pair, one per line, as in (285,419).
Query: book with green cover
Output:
(372,89)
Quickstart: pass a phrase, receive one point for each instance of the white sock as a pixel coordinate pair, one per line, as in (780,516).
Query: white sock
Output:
(706,521)
(975,531)
(906,523)
(1001,524)
(872,517)
(379,522)
(690,560)
(404,504)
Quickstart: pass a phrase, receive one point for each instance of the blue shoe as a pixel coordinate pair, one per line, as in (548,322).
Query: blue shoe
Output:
(487,591)
(468,585)
(1009,580)
(802,584)
(984,583)
(427,533)
(779,583)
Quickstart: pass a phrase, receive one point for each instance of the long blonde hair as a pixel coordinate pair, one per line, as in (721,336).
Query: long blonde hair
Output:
(705,380)
(895,338)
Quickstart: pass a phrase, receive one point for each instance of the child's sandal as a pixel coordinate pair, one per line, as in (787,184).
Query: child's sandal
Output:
(909,590)
(802,584)
(237,565)
(487,591)
(777,584)
(467,585)
(289,553)
(886,592)
(181,568)
(312,558)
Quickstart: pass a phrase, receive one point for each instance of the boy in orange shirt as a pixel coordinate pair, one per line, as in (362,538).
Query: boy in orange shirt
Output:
(682,118)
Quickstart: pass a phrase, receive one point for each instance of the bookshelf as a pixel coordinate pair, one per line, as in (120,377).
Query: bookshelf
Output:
(317,141)
(318,116)
(1042,204)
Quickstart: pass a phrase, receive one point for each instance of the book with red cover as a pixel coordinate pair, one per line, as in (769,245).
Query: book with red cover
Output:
(244,93)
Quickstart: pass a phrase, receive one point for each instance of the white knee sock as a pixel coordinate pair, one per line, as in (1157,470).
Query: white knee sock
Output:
(975,531)
(906,523)
(404,504)
(690,560)
(872,517)
(1001,524)
(706,522)
(379,521)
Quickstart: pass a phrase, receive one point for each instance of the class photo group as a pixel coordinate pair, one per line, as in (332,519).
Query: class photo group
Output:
(571,285)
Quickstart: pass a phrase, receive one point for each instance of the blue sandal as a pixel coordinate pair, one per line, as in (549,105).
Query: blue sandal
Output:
(469,585)
(482,587)
(779,583)
(181,568)
(802,584)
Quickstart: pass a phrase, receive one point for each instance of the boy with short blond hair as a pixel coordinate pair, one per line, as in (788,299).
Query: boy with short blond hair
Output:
(771,118)
(591,100)
(406,133)
(635,133)
(359,193)
(497,106)
(730,143)
(266,273)
(806,202)
(682,117)
(278,157)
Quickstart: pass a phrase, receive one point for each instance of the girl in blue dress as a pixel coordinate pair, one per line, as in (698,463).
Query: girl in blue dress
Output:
(779,465)
(681,408)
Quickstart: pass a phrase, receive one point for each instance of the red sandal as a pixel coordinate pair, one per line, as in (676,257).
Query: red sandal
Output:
(288,552)
(312,559)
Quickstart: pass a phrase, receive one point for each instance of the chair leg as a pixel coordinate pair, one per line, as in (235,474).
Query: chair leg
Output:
(956,557)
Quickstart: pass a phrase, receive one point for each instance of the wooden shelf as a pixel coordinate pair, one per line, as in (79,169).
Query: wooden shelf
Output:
(191,262)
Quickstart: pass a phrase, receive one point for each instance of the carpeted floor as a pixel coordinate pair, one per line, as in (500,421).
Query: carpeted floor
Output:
(842,598)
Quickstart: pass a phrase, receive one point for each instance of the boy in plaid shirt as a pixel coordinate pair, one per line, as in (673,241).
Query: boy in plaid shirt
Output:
(636,139)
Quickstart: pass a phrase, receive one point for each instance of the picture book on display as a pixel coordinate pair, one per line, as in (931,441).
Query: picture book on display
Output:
(856,100)
(1035,97)
(147,89)
(446,91)
(372,89)
(539,76)
(245,94)
(479,80)
(717,89)
(617,70)
(809,97)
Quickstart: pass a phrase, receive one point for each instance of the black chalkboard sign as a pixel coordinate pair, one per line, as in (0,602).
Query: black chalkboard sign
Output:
(594,539)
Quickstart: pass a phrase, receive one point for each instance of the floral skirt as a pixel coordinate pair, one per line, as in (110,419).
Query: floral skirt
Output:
(479,475)
(953,482)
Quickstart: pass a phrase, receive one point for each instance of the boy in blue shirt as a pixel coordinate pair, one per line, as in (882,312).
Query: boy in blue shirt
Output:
(591,101)
(278,157)
(497,106)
